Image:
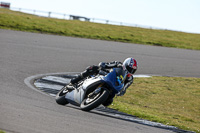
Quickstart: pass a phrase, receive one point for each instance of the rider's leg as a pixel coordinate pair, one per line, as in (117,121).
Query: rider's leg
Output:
(74,81)
(89,71)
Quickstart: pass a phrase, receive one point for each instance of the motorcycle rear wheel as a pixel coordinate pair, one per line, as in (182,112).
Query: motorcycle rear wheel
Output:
(60,97)
(89,104)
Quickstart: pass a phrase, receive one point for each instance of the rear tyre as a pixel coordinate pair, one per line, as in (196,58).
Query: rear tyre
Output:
(91,103)
(60,97)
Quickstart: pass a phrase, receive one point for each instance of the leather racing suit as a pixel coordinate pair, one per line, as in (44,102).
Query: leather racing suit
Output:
(91,70)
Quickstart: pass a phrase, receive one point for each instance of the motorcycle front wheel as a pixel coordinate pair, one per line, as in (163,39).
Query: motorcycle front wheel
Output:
(91,102)
(60,97)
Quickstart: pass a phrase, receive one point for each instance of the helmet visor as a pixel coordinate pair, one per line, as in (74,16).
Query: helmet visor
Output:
(130,69)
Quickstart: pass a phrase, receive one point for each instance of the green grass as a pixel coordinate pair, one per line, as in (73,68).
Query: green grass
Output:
(169,100)
(25,22)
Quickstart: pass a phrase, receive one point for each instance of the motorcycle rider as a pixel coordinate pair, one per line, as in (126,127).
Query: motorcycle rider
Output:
(129,66)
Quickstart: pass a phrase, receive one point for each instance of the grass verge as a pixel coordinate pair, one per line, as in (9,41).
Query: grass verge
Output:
(26,22)
(172,101)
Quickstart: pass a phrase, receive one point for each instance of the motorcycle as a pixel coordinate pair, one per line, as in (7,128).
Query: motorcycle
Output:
(93,91)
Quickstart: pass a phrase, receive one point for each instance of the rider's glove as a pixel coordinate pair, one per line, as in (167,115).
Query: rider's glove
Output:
(118,64)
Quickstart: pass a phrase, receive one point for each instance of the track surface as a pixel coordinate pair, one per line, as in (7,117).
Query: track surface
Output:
(25,54)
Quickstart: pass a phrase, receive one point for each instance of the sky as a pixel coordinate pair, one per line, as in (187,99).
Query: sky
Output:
(178,15)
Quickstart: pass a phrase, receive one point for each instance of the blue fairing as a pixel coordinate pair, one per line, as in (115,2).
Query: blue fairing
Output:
(113,81)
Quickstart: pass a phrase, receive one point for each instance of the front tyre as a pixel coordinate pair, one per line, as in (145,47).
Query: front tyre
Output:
(60,97)
(91,102)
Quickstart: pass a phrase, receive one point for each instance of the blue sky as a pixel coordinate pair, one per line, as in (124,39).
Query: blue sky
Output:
(179,15)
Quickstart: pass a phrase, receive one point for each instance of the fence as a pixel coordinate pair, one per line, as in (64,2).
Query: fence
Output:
(74,17)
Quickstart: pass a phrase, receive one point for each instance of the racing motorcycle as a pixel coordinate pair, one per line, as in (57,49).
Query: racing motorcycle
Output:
(94,90)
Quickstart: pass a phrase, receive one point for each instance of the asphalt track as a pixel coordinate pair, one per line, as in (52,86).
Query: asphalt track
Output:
(24,54)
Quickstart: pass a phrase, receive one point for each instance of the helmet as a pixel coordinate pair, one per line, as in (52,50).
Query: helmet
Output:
(130,65)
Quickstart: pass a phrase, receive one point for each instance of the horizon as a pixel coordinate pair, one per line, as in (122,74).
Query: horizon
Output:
(175,15)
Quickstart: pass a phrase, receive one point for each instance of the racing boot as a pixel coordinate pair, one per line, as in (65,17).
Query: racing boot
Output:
(73,84)
(89,71)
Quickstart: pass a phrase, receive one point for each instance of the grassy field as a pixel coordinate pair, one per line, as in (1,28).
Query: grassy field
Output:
(25,22)
(169,100)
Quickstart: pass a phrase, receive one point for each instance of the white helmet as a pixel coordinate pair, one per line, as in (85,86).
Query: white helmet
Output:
(130,65)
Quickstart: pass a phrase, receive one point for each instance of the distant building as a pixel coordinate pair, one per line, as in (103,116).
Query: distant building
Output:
(73,17)
(5,4)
